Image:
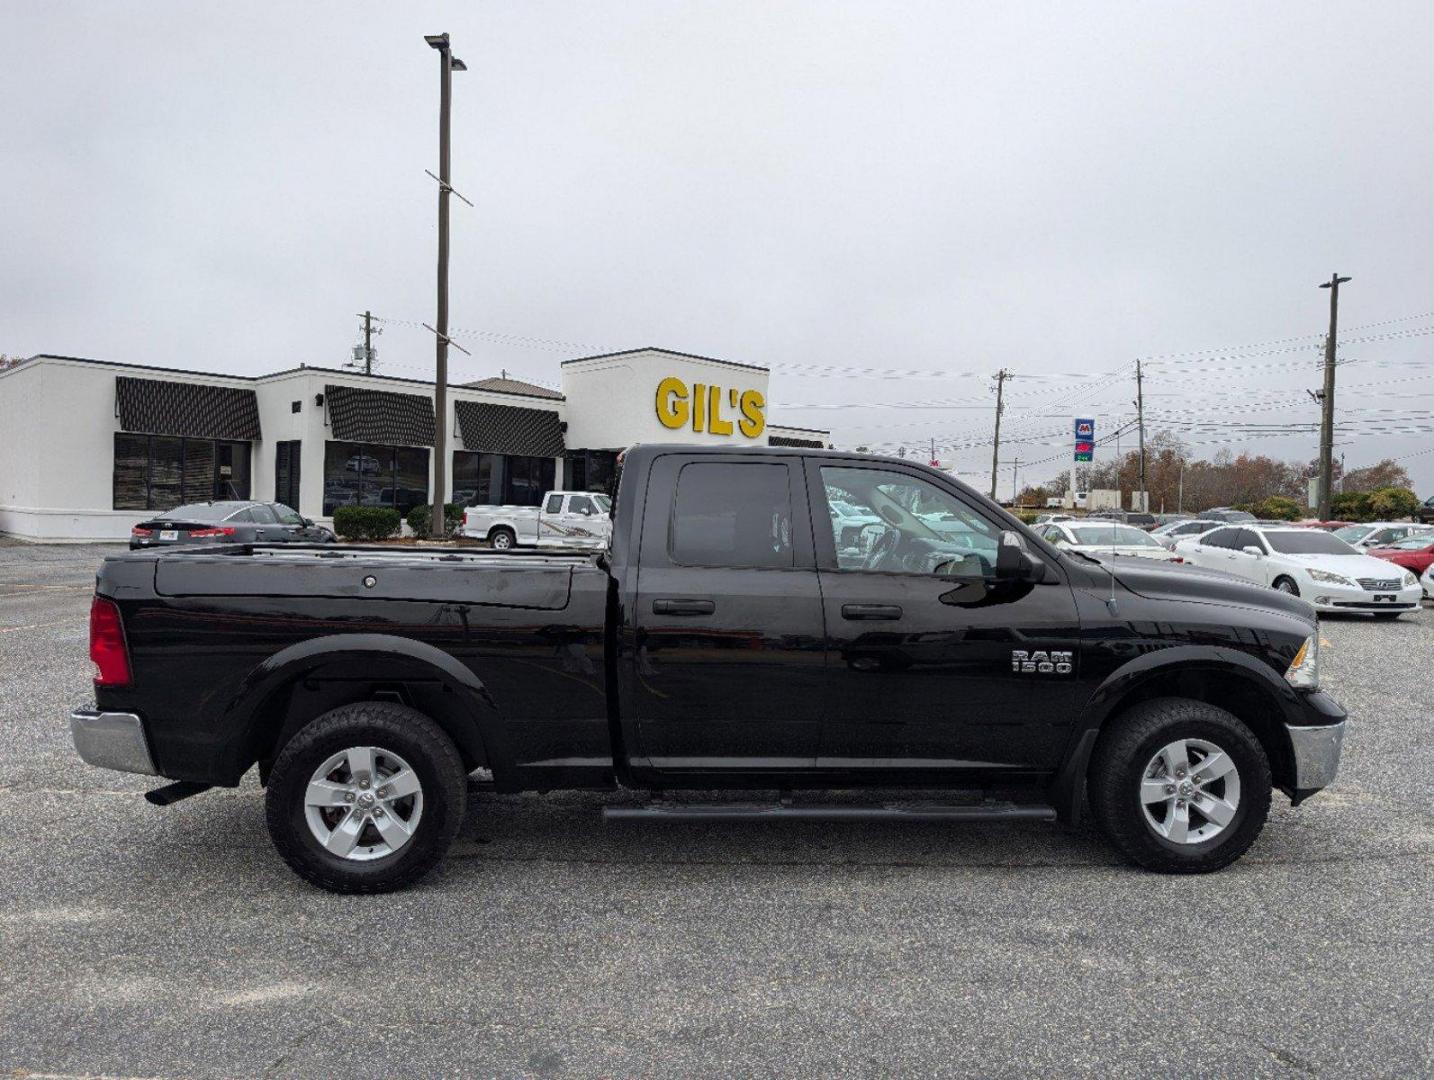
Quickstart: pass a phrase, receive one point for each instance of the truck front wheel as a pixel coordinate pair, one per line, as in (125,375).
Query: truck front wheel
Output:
(366,798)
(1180,786)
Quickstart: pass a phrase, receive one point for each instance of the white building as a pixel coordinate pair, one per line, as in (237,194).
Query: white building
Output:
(88,448)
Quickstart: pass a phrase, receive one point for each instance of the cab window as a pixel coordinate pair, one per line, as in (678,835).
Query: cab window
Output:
(732,514)
(580,504)
(555,505)
(908,525)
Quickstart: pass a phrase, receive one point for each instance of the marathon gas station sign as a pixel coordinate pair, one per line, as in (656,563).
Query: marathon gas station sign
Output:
(1085,440)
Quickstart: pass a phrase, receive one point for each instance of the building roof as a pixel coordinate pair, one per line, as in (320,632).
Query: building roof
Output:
(513,386)
(668,352)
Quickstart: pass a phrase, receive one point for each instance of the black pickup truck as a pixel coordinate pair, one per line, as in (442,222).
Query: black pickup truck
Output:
(778,621)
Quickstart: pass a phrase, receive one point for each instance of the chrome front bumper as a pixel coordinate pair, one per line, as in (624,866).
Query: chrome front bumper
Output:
(111,740)
(1316,752)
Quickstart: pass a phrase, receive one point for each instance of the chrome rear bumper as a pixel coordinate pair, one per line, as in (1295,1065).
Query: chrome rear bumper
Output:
(111,740)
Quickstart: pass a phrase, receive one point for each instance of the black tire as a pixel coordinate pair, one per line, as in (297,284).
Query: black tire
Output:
(1119,764)
(1386,614)
(503,538)
(392,727)
(1287,585)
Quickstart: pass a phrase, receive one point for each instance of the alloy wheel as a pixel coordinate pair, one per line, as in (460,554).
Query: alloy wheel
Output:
(363,803)
(1189,791)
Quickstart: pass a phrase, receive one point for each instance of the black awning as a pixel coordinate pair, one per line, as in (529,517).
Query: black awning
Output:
(378,416)
(171,407)
(787,440)
(510,429)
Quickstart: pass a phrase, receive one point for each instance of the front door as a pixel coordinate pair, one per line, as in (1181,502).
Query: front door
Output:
(934,665)
(726,670)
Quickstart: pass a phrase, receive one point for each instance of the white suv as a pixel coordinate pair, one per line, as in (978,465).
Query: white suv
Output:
(1310,563)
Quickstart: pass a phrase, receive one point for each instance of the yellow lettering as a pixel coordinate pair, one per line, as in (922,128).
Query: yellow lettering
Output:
(715,423)
(699,394)
(753,423)
(672,409)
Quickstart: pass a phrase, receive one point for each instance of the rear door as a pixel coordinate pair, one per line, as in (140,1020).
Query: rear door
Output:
(726,669)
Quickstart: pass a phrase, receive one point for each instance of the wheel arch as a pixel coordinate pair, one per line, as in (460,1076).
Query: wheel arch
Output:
(301,682)
(1226,678)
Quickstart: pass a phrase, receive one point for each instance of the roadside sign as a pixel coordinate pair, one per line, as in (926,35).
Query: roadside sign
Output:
(1085,439)
(1085,451)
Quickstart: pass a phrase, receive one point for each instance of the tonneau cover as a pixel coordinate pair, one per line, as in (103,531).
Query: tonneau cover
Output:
(535,584)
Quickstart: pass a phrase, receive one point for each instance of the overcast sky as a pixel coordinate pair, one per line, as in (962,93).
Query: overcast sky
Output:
(933,188)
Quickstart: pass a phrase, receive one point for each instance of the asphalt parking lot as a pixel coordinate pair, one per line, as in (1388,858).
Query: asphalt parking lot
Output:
(136,941)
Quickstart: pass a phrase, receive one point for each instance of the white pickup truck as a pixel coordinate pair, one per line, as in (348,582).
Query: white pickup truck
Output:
(565,519)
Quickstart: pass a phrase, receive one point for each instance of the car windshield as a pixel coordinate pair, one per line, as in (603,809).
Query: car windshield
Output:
(1353,532)
(1111,535)
(1307,542)
(1417,542)
(604,503)
(199,512)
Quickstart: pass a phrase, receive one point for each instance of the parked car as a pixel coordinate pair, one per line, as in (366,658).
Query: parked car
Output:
(1141,520)
(1425,513)
(721,641)
(228,523)
(1328,526)
(1426,581)
(1103,540)
(1227,514)
(565,519)
(1315,565)
(1168,535)
(1380,533)
(1046,519)
(1414,553)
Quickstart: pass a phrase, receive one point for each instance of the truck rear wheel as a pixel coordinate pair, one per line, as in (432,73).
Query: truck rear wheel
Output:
(1179,786)
(367,798)
(502,538)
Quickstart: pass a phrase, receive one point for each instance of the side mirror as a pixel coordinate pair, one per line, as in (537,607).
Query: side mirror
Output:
(1015,563)
(1251,549)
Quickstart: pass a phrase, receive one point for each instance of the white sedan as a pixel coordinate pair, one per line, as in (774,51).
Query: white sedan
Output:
(1311,563)
(1102,539)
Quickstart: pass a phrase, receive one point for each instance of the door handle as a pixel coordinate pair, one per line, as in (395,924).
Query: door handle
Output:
(870,612)
(683,607)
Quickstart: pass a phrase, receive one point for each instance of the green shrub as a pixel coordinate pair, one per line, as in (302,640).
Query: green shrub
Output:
(1027,516)
(420,519)
(1392,504)
(366,522)
(1278,508)
(1351,506)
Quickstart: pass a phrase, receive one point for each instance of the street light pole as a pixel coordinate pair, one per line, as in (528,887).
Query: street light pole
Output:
(1326,428)
(447,64)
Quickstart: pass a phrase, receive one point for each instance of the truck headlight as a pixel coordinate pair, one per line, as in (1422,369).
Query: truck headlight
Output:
(1331,579)
(1303,672)
(1410,579)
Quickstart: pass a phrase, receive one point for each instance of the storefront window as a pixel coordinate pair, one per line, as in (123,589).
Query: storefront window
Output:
(365,474)
(501,479)
(286,472)
(160,472)
(590,470)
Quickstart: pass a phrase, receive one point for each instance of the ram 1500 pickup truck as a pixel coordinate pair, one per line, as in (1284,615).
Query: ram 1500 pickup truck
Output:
(726,638)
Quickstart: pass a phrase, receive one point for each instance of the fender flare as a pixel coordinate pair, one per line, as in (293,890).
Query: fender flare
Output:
(1067,790)
(401,658)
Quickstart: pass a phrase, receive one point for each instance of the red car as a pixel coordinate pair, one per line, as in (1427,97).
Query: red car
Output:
(1413,553)
(1327,526)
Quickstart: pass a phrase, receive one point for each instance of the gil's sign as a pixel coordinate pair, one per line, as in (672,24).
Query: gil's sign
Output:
(701,408)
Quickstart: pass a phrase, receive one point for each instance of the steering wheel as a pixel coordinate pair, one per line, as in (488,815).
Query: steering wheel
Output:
(882,548)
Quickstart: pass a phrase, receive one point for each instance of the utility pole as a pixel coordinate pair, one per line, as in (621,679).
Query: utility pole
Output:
(1001,377)
(1326,427)
(1180,496)
(1015,480)
(932,458)
(447,64)
(1140,418)
(368,342)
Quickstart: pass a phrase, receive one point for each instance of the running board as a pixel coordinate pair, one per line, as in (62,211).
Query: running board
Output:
(784,812)
(172,793)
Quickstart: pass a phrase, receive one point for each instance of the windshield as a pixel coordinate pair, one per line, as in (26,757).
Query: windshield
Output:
(1417,542)
(200,512)
(1112,535)
(604,503)
(1354,532)
(1307,542)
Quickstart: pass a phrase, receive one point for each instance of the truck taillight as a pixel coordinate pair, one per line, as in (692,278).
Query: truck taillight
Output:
(220,530)
(107,648)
